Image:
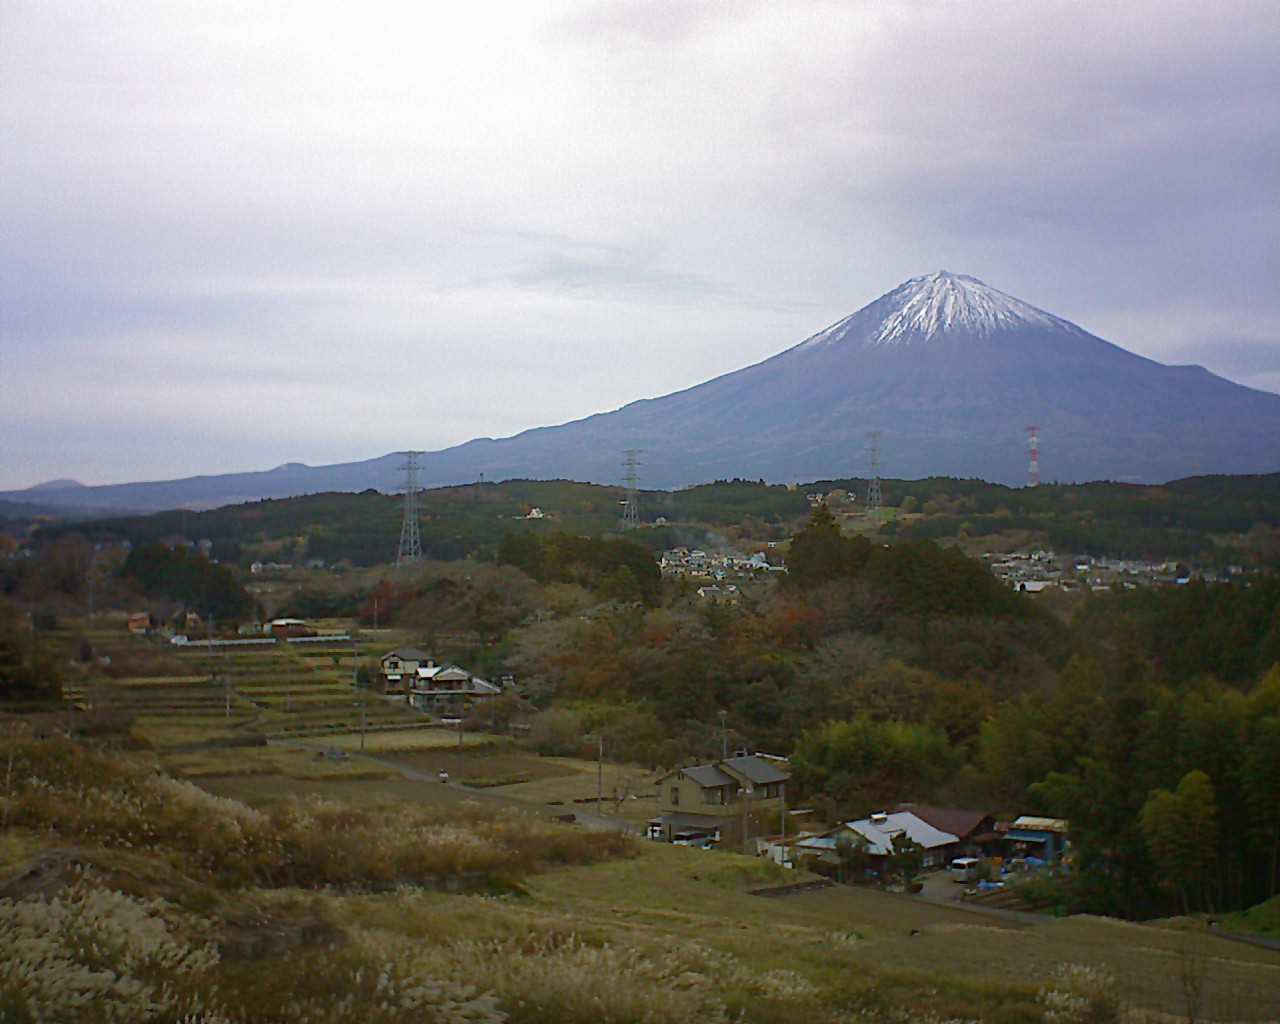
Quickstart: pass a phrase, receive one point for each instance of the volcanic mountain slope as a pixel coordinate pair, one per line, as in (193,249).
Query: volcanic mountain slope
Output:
(948,369)
(951,371)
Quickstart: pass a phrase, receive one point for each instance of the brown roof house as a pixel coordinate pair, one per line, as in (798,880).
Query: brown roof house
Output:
(723,803)
(975,831)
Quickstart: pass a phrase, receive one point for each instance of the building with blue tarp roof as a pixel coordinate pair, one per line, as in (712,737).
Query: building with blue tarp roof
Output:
(1042,838)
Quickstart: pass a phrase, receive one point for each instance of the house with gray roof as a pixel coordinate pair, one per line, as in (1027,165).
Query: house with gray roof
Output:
(448,689)
(721,803)
(879,835)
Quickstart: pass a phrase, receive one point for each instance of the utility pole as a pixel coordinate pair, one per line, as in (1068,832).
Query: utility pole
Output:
(782,817)
(226,693)
(363,724)
(353,663)
(724,736)
(599,770)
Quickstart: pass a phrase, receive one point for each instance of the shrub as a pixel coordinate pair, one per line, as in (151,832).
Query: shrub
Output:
(95,956)
(92,955)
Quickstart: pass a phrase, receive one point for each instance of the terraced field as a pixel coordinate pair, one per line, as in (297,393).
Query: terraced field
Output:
(305,691)
(185,695)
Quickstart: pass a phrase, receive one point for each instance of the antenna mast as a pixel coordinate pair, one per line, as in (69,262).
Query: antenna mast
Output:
(410,541)
(631,477)
(873,473)
(1033,465)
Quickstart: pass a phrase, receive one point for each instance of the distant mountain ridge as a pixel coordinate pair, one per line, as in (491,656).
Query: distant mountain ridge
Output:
(949,370)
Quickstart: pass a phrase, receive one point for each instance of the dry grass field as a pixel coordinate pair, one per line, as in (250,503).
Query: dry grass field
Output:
(658,933)
(289,763)
(268,790)
(482,764)
(628,790)
(680,893)
(670,894)
(424,737)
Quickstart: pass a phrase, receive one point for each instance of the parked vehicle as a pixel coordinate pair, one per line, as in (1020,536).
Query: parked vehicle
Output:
(689,837)
(965,869)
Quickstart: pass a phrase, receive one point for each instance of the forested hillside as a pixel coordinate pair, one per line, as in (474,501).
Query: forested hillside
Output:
(1213,521)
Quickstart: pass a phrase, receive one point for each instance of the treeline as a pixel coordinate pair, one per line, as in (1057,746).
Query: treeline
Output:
(911,633)
(1083,534)
(188,577)
(1215,520)
(1182,519)
(29,669)
(1199,629)
(364,528)
(616,569)
(1171,789)
(916,579)
(733,502)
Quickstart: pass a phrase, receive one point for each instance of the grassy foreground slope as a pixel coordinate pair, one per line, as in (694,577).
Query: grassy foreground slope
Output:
(131,895)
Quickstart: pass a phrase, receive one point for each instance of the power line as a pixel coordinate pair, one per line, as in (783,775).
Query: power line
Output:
(873,472)
(631,477)
(410,540)
(1033,463)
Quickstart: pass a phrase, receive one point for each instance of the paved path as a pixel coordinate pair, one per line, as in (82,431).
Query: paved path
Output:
(940,889)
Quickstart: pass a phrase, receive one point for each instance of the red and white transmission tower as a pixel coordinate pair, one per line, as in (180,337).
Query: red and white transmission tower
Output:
(1033,466)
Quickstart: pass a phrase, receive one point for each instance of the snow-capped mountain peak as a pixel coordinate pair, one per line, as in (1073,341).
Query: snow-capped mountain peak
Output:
(925,307)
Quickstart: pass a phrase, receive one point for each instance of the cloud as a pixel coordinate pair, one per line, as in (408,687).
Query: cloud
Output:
(544,211)
(661,22)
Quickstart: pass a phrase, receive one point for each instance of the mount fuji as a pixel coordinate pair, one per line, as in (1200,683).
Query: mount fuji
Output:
(951,371)
(948,369)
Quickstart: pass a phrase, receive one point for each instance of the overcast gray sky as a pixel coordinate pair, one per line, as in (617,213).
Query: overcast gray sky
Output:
(234,234)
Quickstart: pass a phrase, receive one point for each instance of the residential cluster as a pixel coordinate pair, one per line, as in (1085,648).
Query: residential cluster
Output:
(717,566)
(1039,570)
(445,690)
(740,803)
